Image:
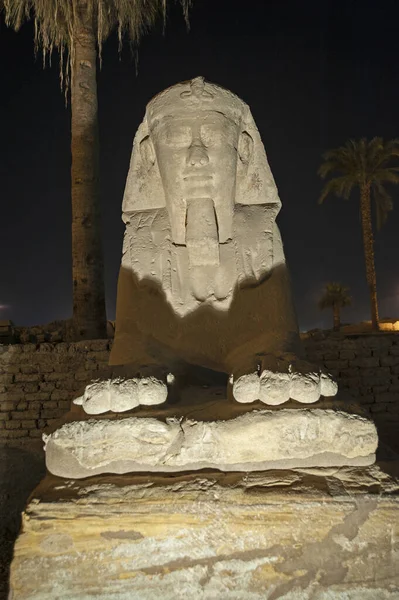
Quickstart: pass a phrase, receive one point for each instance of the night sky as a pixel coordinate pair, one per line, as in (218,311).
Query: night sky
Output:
(314,73)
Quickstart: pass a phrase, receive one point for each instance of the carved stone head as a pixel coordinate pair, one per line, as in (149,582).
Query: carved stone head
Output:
(198,151)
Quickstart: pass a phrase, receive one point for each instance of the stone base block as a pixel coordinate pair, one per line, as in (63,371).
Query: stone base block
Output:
(327,534)
(254,441)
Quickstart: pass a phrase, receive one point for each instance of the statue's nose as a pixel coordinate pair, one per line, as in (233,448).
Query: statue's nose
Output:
(197,155)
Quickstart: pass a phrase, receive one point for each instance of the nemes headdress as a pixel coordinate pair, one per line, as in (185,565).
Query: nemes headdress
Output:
(144,188)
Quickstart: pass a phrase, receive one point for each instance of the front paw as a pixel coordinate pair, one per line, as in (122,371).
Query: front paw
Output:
(283,380)
(119,395)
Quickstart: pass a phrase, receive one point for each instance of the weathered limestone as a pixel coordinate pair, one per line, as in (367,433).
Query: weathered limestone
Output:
(315,534)
(203,281)
(254,441)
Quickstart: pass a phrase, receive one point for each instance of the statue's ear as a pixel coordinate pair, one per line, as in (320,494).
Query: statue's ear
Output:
(144,189)
(255,183)
(147,152)
(245,148)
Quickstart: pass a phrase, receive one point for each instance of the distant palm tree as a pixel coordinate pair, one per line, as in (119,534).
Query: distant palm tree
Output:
(335,296)
(77,29)
(368,165)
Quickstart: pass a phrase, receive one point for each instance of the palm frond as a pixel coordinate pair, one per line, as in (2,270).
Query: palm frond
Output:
(340,186)
(383,203)
(55,20)
(333,294)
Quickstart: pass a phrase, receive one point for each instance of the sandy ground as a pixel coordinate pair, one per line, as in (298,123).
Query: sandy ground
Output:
(20,471)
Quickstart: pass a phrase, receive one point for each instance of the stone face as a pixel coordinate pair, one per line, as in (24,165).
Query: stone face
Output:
(325,534)
(203,281)
(253,441)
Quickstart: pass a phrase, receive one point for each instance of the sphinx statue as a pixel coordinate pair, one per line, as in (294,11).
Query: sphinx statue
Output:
(203,283)
(204,301)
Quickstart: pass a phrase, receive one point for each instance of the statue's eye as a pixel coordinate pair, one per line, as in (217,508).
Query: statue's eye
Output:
(178,137)
(211,135)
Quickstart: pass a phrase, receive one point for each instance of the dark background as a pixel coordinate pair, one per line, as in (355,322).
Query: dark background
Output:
(314,73)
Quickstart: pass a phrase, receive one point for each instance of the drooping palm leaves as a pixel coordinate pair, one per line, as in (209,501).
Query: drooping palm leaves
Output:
(56,21)
(369,166)
(77,29)
(335,296)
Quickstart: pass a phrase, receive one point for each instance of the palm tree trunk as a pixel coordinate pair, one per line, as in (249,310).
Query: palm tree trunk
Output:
(336,316)
(89,317)
(368,246)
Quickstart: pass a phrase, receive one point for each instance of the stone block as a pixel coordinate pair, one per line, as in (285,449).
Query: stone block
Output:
(31,387)
(363,352)
(13,424)
(50,413)
(331,354)
(10,369)
(29,369)
(350,372)
(276,535)
(387,397)
(37,396)
(394,350)
(27,377)
(24,414)
(46,386)
(45,348)
(390,360)
(28,424)
(59,395)
(378,408)
(46,368)
(347,354)
(336,365)
(7,405)
(376,372)
(366,362)
(59,376)
(256,440)
(4,416)
(16,433)
(380,389)
(50,404)
(29,348)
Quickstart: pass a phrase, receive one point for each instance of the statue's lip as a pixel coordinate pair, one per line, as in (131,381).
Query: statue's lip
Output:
(197,177)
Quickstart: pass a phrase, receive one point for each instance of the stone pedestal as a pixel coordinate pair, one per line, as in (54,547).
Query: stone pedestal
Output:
(320,534)
(208,431)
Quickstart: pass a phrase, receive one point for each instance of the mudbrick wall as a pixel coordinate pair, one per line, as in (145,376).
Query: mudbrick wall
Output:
(367,368)
(38,381)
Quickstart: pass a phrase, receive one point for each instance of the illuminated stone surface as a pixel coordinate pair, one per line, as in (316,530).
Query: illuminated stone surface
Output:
(315,534)
(203,280)
(253,441)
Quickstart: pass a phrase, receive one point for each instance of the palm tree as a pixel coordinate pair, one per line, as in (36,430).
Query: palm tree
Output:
(368,165)
(77,29)
(335,296)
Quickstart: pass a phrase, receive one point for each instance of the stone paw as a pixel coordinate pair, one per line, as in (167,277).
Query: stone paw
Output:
(119,395)
(296,380)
